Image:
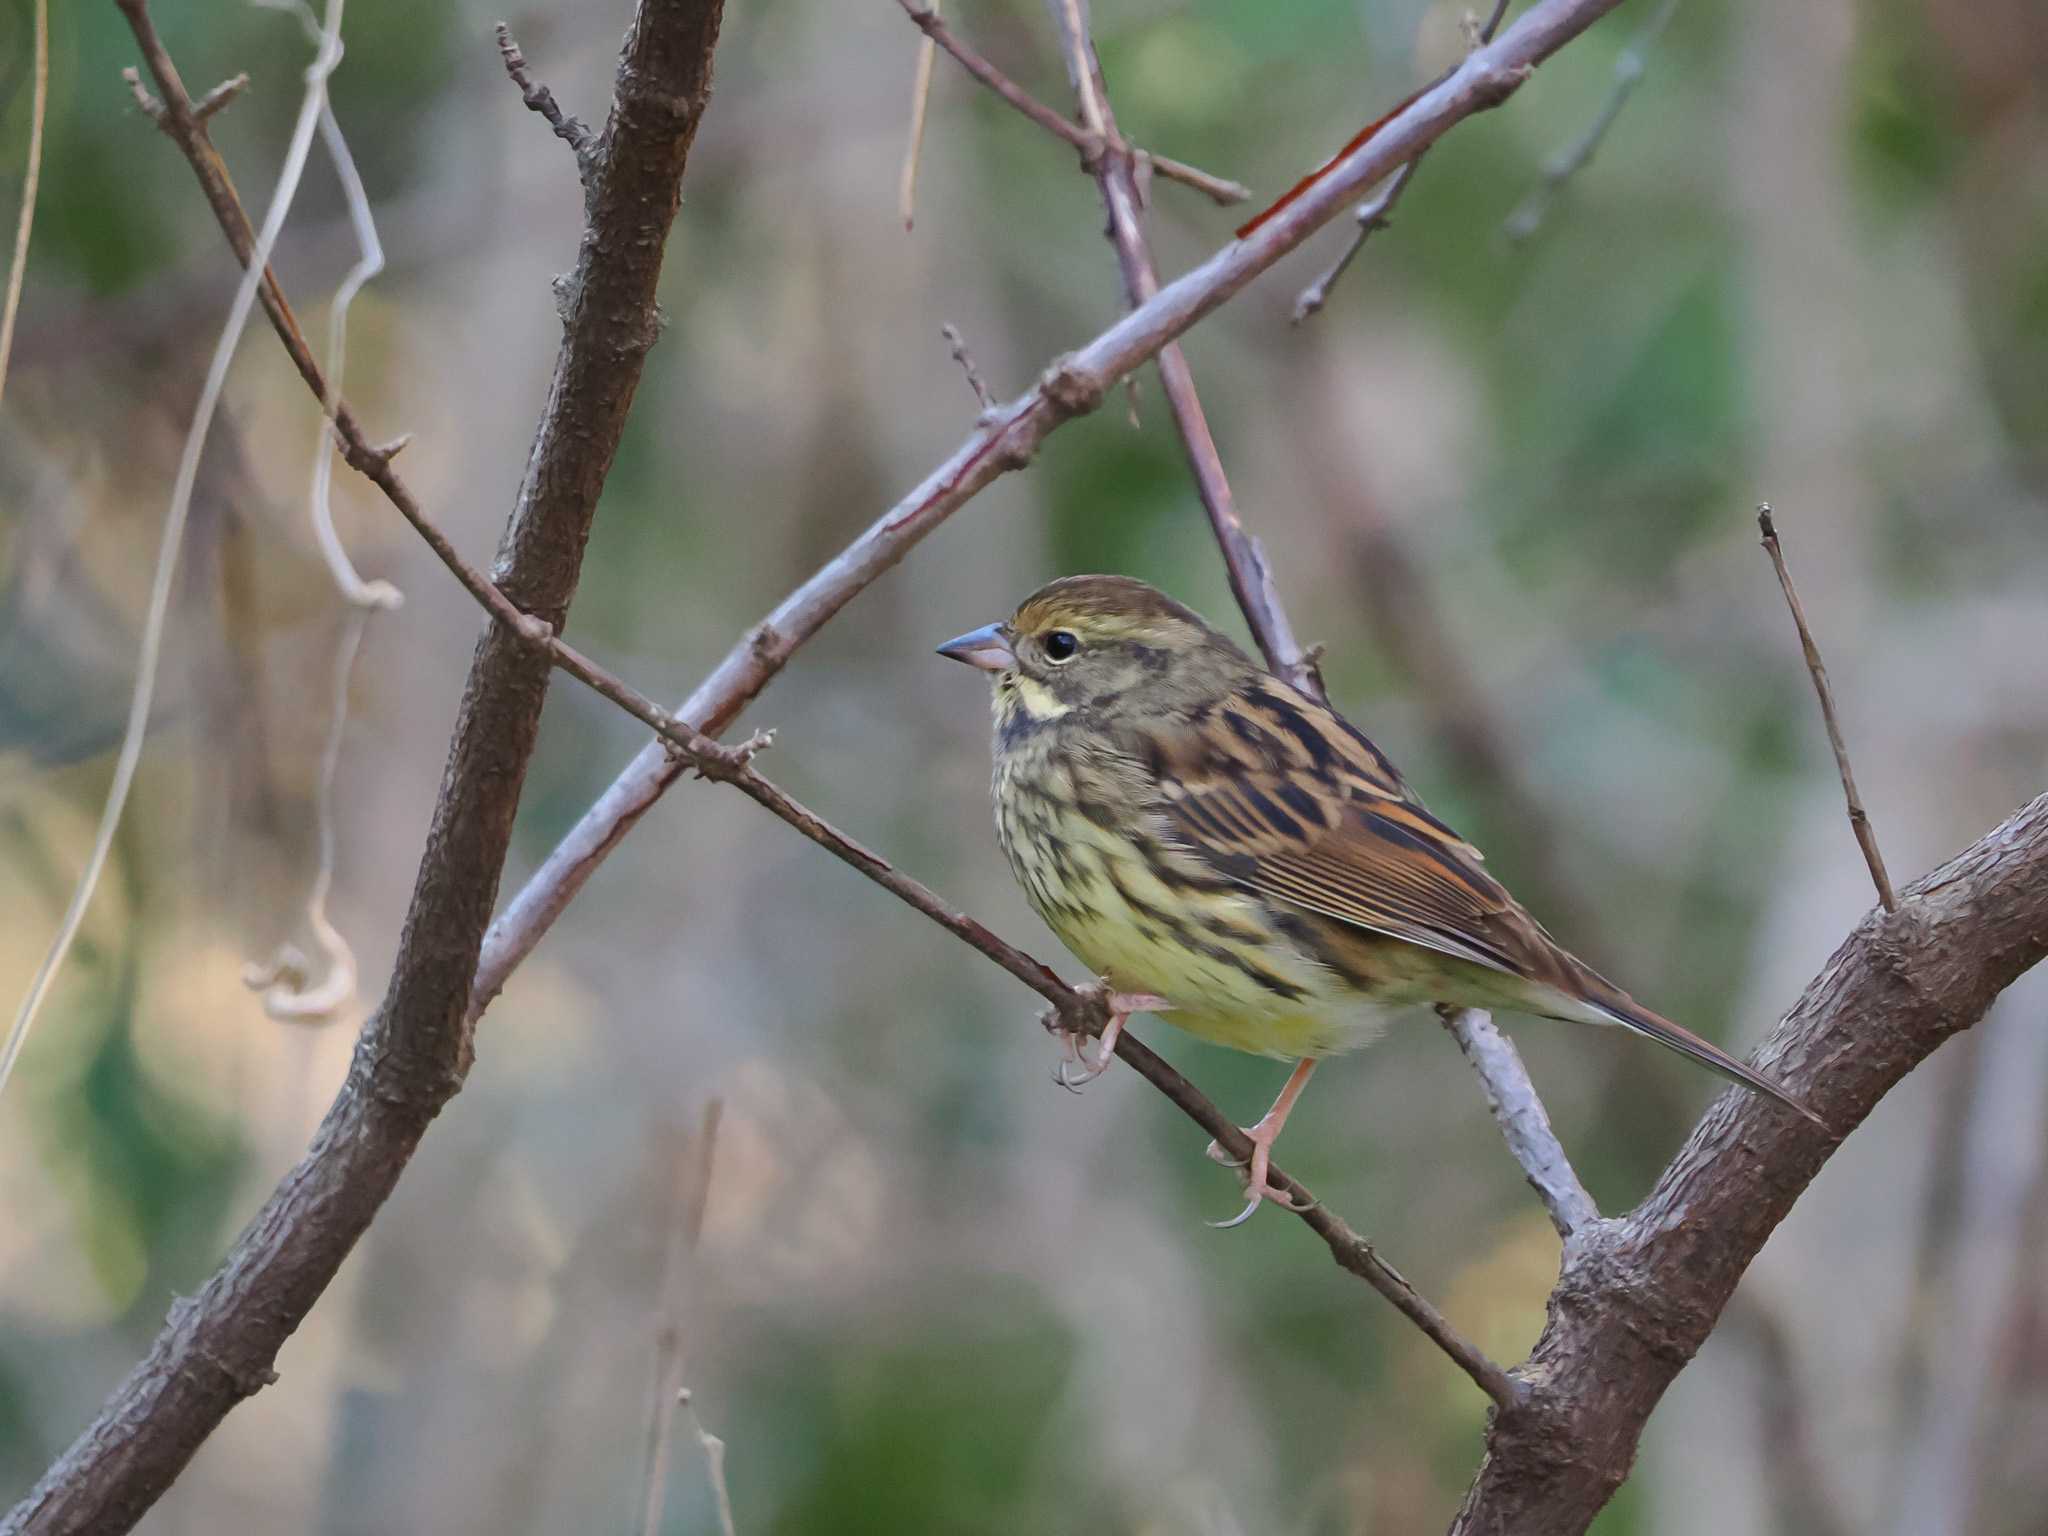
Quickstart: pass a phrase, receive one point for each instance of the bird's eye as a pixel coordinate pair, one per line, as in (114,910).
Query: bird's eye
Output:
(1061,645)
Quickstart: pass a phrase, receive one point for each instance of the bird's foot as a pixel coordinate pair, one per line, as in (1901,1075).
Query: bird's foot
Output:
(1258,1189)
(1078,1069)
(1257,1185)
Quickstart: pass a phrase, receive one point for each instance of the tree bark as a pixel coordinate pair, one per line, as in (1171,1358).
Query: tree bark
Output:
(1639,1294)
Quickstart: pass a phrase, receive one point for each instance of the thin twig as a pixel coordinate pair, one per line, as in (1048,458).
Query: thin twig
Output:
(965,359)
(1530,213)
(150,651)
(1859,819)
(572,131)
(913,151)
(1251,576)
(1376,213)
(1369,217)
(31,178)
(1524,1123)
(1217,189)
(684,1226)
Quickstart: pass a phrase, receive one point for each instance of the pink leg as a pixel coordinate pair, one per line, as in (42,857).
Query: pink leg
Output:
(1263,1135)
(1121,1006)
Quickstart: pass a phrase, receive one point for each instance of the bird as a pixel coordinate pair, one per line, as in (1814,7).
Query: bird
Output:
(1227,852)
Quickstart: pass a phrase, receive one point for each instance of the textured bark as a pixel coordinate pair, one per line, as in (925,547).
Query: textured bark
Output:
(219,1347)
(1639,1294)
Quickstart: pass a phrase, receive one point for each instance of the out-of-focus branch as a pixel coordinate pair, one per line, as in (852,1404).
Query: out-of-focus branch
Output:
(31,177)
(1639,1294)
(1073,385)
(1859,820)
(1376,212)
(1417,634)
(1792,1463)
(1524,1123)
(913,149)
(685,1225)
(1251,578)
(1091,142)
(219,1347)
(1530,213)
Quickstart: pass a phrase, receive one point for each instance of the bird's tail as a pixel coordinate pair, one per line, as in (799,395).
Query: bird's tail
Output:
(1604,998)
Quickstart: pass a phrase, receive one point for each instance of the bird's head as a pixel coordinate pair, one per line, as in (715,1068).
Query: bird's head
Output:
(1098,644)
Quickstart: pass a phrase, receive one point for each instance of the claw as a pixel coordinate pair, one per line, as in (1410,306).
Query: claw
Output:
(1121,1006)
(1263,1135)
(1240,1218)
(1215,1153)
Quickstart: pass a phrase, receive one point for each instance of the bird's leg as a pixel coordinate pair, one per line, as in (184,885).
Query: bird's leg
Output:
(1263,1135)
(1121,1006)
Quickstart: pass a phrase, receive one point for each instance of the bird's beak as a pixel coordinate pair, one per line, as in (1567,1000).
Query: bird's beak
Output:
(987,648)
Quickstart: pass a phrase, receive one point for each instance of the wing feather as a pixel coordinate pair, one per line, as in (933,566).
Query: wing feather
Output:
(1283,796)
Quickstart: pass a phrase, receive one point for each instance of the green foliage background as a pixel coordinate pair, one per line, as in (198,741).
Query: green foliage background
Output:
(1809,265)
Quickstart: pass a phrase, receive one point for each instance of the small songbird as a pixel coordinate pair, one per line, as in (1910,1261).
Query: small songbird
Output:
(1224,850)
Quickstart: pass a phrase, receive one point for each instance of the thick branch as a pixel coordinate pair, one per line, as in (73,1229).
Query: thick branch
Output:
(1074,385)
(1639,1294)
(220,1346)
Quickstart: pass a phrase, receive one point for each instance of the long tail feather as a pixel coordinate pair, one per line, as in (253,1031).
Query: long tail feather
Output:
(1631,1015)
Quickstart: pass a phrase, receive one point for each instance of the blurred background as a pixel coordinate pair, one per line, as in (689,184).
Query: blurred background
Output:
(1509,485)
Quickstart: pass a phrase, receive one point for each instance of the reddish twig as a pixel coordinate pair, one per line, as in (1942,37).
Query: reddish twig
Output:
(1859,819)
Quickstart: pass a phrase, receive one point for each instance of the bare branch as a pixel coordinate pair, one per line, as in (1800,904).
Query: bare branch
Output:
(572,131)
(1640,1293)
(975,382)
(1529,215)
(1524,1123)
(1091,144)
(1859,820)
(220,1346)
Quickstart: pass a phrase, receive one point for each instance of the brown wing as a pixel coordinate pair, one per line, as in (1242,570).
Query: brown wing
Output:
(1284,797)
